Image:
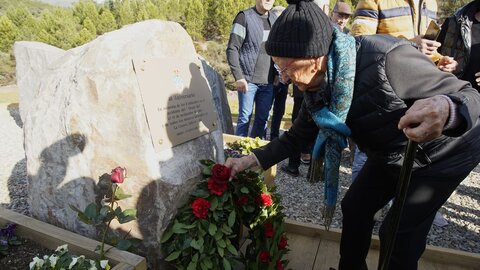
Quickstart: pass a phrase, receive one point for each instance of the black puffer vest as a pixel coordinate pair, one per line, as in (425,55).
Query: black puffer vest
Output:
(376,109)
(253,40)
(457,40)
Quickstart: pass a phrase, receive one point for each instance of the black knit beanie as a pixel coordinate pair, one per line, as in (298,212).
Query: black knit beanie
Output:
(303,30)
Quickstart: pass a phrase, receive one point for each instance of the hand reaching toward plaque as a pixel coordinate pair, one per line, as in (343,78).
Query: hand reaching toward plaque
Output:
(241,85)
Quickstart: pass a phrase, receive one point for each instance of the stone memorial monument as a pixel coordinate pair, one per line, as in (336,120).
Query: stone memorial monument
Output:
(135,97)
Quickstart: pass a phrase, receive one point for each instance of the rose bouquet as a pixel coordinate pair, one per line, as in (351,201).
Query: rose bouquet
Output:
(204,234)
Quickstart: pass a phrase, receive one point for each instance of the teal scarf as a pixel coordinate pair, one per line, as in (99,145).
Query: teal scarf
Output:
(333,133)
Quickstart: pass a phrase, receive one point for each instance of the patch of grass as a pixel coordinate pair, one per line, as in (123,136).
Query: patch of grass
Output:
(9,97)
(7,69)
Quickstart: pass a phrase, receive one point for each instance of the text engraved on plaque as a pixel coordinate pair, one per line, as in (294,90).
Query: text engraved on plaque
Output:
(178,102)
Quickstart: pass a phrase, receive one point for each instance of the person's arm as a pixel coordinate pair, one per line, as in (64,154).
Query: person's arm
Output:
(365,21)
(237,36)
(302,132)
(292,141)
(415,78)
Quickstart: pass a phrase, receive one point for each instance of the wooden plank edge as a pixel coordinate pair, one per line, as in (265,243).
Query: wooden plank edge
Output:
(432,253)
(51,237)
(123,266)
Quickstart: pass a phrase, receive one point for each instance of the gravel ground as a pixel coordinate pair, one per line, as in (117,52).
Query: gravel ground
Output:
(300,198)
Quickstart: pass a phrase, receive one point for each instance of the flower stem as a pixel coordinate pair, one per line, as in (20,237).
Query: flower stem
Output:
(102,247)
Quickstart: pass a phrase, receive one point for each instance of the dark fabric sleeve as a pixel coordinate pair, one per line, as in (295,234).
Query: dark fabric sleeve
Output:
(233,48)
(443,33)
(302,132)
(413,76)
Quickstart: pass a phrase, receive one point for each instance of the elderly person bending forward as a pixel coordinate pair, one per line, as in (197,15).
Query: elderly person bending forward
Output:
(386,92)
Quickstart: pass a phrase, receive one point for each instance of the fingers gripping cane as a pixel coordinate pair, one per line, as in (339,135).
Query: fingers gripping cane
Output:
(397,208)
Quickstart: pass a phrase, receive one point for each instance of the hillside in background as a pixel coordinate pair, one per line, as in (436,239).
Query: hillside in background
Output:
(66,3)
(34,6)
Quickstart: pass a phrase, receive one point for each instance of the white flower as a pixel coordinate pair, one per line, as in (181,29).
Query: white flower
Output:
(74,261)
(92,267)
(62,248)
(53,260)
(36,262)
(103,263)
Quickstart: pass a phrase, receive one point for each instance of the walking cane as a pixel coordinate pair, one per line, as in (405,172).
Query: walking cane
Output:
(400,196)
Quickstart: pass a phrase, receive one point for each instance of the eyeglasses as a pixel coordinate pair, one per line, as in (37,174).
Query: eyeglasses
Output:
(342,15)
(280,71)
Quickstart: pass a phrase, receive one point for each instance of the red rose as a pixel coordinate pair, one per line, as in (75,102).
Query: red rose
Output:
(242,200)
(279,265)
(268,230)
(217,187)
(265,199)
(118,175)
(264,256)
(200,207)
(282,244)
(221,172)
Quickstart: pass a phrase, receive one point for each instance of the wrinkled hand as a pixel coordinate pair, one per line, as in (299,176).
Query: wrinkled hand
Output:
(447,64)
(426,46)
(477,78)
(237,165)
(241,86)
(424,121)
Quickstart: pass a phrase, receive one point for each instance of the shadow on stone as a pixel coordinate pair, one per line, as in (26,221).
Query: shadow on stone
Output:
(17,188)
(15,113)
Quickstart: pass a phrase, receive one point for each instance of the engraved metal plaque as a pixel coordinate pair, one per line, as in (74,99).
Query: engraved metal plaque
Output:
(178,102)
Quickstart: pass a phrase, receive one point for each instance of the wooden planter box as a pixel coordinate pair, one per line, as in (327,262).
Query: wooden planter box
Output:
(312,247)
(269,175)
(51,237)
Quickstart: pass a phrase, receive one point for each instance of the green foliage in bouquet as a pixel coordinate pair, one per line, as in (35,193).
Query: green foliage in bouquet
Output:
(204,234)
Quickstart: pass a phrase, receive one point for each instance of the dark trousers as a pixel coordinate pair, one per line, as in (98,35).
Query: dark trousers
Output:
(375,186)
(280,92)
(294,159)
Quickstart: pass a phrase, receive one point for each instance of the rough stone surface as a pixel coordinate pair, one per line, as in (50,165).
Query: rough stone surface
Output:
(88,117)
(33,59)
(220,100)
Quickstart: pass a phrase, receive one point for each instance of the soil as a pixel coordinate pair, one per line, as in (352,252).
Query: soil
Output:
(19,257)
